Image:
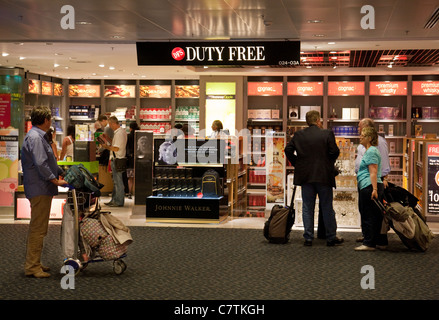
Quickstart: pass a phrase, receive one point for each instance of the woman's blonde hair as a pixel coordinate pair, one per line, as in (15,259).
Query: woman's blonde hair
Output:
(372,133)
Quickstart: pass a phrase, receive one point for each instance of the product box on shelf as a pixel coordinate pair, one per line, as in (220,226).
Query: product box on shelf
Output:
(385,112)
(305,109)
(275,114)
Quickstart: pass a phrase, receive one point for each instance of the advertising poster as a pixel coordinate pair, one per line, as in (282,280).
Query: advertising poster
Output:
(8,166)
(46,88)
(275,168)
(84,91)
(120,91)
(159,91)
(5,110)
(433,178)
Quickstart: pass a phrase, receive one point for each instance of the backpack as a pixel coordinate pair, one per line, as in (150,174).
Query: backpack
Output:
(277,228)
(210,184)
(82,179)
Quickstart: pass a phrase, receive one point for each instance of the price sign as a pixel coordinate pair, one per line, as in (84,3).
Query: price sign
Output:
(433,178)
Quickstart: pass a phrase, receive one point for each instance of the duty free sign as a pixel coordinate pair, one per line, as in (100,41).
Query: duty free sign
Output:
(203,53)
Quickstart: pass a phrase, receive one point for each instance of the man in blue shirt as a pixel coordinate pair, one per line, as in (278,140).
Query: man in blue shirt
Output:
(40,181)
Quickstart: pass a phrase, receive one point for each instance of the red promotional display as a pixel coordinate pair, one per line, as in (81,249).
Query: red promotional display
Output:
(46,88)
(5,110)
(388,88)
(265,89)
(345,88)
(305,88)
(425,88)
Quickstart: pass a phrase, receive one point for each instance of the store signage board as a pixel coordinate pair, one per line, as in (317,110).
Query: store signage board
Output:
(218,53)
(46,88)
(433,178)
(425,88)
(84,91)
(34,86)
(120,91)
(305,88)
(265,89)
(57,89)
(345,88)
(388,88)
(147,91)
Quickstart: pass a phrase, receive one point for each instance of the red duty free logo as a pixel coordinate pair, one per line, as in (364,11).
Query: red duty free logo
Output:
(178,53)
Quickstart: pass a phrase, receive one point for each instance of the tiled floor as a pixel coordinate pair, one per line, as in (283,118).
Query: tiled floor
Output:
(132,215)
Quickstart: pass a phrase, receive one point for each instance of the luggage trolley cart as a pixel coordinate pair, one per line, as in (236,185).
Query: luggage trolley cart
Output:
(80,203)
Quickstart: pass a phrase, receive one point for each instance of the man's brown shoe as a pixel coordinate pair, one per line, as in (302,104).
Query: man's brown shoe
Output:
(45,269)
(39,274)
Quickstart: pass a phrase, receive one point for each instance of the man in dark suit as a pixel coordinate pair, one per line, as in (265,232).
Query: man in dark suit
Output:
(312,152)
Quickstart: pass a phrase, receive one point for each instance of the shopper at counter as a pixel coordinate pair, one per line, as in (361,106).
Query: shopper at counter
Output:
(117,150)
(370,188)
(312,152)
(40,180)
(217,129)
(67,144)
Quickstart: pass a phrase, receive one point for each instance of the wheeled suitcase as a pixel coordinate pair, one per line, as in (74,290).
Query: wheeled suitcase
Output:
(410,228)
(277,228)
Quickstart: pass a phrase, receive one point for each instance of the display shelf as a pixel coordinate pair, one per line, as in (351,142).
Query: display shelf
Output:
(425,106)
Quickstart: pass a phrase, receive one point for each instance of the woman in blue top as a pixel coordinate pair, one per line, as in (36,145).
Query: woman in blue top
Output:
(371,187)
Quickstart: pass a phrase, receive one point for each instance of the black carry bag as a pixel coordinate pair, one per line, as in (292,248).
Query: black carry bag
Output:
(277,228)
(120,163)
(210,184)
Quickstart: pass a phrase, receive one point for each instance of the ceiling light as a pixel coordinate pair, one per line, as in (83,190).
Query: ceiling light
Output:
(331,42)
(332,52)
(333,58)
(389,66)
(111,68)
(205,67)
(55,65)
(5,54)
(117,37)
(315,21)
(308,67)
(82,22)
(102,65)
(319,35)
(22,58)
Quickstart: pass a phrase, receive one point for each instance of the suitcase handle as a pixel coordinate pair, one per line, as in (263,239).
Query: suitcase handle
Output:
(380,206)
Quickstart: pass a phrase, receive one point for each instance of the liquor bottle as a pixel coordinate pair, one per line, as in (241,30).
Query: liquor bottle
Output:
(333,114)
(275,176)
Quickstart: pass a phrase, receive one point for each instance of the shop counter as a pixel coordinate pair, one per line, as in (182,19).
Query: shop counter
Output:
(22,205)
(185,209)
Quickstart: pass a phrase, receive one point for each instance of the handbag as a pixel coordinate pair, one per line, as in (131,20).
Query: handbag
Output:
(120,163)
